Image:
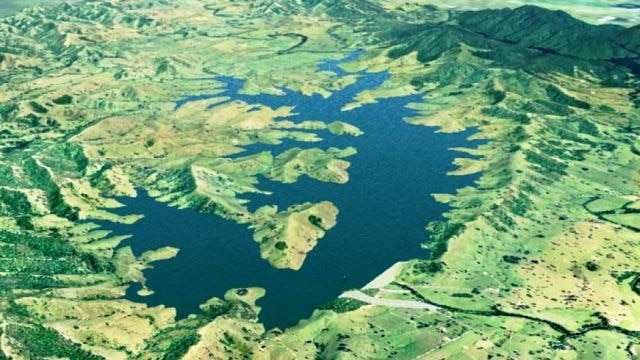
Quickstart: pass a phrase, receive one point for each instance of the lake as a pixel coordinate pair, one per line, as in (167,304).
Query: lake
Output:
(384,209)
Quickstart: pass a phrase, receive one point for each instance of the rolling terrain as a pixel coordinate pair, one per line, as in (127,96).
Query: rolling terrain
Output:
(539,259)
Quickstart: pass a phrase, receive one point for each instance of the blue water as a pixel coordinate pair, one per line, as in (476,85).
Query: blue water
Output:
(384,209)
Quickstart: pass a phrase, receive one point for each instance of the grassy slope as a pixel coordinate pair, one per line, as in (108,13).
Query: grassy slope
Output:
(504,267)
